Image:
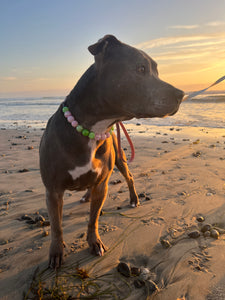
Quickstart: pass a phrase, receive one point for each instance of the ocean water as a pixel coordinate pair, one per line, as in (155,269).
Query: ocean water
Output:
(207,110)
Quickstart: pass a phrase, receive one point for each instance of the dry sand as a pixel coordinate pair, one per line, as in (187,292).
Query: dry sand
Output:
(179,171)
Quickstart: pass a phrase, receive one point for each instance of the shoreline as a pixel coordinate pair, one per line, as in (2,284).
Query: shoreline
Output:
(180,169)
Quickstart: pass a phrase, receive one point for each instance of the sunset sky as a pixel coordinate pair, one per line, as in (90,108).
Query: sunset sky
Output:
(43,44)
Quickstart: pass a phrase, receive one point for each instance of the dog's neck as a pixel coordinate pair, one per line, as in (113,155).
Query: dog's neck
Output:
(95,111)
(100,131)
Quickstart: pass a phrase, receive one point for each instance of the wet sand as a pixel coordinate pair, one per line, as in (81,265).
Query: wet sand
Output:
(179,175)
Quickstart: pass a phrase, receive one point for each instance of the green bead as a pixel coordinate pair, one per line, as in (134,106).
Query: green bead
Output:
(91,135)
(111,130)
(79,128)
(85,132)
(65,108)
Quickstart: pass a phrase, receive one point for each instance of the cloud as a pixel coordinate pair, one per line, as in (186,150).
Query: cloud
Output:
(182,41)
(184,26)
(169,41)
(181,56)
(215,23)
(10,78)
(188,59)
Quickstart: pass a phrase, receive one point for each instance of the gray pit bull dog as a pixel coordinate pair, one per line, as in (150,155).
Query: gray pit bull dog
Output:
(122,84)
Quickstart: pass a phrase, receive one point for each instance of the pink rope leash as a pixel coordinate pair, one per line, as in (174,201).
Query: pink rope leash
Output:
(118,125)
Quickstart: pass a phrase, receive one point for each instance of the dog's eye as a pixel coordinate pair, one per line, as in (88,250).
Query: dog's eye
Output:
(141,69)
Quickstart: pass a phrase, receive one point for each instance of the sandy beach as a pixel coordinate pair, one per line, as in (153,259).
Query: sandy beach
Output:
(179,176)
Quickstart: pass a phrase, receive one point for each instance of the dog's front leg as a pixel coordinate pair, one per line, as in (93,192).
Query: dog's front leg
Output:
(98,195)
(55,205)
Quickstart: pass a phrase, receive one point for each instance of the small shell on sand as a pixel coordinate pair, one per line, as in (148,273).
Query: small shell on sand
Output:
(194,234)
(145,273)
(214,233)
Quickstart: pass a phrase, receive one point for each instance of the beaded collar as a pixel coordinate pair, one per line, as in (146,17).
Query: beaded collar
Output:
(85,132)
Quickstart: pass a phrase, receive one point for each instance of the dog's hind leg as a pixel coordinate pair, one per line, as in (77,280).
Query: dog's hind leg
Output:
(123,168)
(55,205)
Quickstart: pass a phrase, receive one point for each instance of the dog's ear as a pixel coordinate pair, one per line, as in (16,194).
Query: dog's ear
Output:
(102,44)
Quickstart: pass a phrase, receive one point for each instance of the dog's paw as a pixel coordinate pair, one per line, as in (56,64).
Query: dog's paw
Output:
(135,203)
(86,197)
(97,247)
(56,255)
(84,200)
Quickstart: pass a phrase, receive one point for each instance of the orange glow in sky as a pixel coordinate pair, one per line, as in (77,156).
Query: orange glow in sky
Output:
(44,44)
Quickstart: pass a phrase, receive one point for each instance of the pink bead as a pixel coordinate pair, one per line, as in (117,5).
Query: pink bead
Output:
(103,136)
(70,119)
(74,123)
(97,137)
(67,114)
(107,135)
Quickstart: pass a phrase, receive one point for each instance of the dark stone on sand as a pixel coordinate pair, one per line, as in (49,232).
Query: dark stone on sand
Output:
(26,217)
(135,271)
(206,234)
(46,223)
(206,227)
(30,221)
(82,235)
(214,233)
(39,218)
(165,243)
(200,219)
(142,195)
(147,198)
(30,147)
(23,170)
(119,207)
(197,154)
(124,269)
(45,233)
(114,182)
(39,223)
(194,234)
(138,124)
(139,283)
(151,286)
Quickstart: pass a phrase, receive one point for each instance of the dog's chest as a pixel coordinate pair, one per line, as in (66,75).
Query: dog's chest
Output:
(79,171)
(96,155)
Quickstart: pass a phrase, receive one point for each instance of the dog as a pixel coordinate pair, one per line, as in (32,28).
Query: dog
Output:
(78,149)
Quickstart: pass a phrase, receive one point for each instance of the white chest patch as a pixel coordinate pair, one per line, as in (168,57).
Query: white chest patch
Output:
(78,171)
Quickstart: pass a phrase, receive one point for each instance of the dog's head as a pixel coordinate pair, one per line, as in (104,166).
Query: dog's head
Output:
(128,78)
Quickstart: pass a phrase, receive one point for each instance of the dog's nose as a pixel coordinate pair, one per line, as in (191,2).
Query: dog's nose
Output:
(179,95)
